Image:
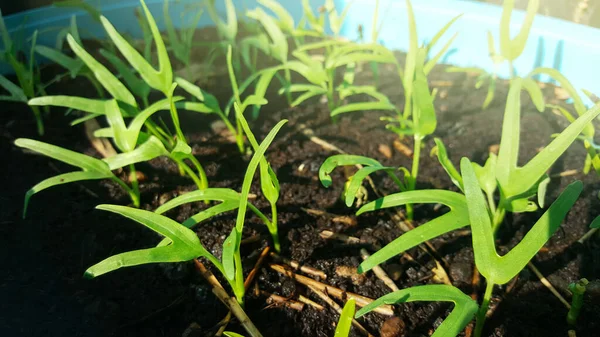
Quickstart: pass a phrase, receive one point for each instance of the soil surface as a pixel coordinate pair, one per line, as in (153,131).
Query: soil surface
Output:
(44,294)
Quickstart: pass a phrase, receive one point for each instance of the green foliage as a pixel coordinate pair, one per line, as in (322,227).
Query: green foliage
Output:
(456,218)
(464,307)
(345,322)
(91,168)
(183,244)
(28,77)
(160,79)
(181,44)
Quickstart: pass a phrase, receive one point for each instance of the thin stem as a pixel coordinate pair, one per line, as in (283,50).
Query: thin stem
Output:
(512,69)
(133,179)
(288,79)
(414,173)
(184,168)
(135,198)
(491,202)
(273,228)
(483,308)
(38,120)
(330,94)
(201,172)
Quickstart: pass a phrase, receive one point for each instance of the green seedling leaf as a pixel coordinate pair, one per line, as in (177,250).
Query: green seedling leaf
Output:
(73,65)
(335,161)
(286,21)
(512,48)
(269,183)
(91,168)
(486,175)
(456,218)
(137,85)
(278,49)
(308,89)
(16,93)
(229,250)
(541,192)
(345,322)
(317,24)
(444,160)
(537,97)
(227,29)
(424,118)
(184,246)
(160,79)
(595,223)
(92,106)
(252,166)
(91,10)
(232,334)
(434,60)
(501,269)
(513,180)
(106,79)
(463,312)
(150,149)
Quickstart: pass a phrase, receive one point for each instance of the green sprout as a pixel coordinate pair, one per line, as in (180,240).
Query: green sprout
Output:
(230,199)
(180,242)
(510,50)
(74,66)
(28,77)
(128,137)
(463,312)
(181,44)
(345,322)
(501,269)
(518,184)
(91,168)
(578,289)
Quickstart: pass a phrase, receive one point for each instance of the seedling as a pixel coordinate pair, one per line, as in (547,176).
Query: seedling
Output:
(127,138)
(518,184)
(231,199)
(577,289)
(345,322)
(181,44)
(501,269)
(28,77)
(510,50)
(91,168)
(463,312)
(74,66)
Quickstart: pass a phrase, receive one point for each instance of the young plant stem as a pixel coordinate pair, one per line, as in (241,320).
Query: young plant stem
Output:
(273,228)
(184,168)
(133,179)
(38,120)
(135,198)
(201,172)
(578,289)
(414,172)
(491,203)
(288,81)
(481,314)
(331,104)
(236,94)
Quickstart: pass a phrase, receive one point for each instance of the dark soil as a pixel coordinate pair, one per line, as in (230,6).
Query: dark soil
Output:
(45,254)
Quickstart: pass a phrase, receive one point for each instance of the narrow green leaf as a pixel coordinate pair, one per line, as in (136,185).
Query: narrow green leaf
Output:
(160,79)
(15,91)
(463,312)
(93,106)
(345,322)
(108,80)
(497,269)
(457,217)
(444,160)
(537,97)
(229,250)
(184,246)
